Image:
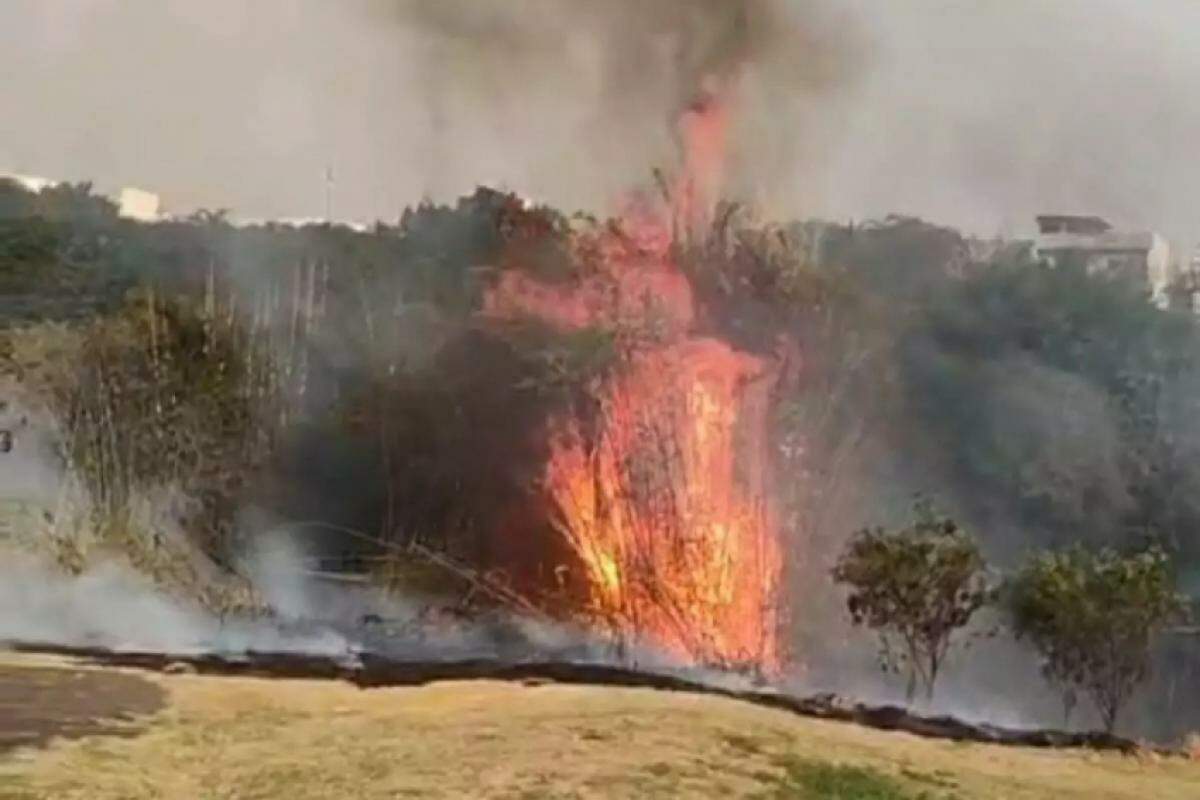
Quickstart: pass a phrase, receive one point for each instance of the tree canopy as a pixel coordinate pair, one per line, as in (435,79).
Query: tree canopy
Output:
(1092,616)
(916,587)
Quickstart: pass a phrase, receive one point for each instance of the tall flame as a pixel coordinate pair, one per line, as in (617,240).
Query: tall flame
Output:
(663,496)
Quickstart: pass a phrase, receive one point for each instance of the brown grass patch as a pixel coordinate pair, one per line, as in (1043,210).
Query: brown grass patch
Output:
(309,740)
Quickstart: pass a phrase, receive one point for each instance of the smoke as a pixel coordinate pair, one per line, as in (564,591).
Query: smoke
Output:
(567,102)
(33,476)
(978,115)
(110,605)
(61,583)
(983,114)
(598,88)
(289,580)
(44,522)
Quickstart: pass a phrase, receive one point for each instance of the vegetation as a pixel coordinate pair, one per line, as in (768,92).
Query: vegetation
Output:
(158,394)
(1092,617)
(912,340)
(1059,399)
(319,740)
(326,373)
(917,587)
(188,355)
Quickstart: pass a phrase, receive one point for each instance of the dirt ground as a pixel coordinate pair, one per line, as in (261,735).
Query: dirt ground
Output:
(224,738)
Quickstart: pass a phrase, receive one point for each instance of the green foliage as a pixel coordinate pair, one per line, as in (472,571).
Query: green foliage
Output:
(63,202)
(805,779)
(896,320)
(916,587)
(57,253)
(991,362)
(904,258)
(458,434)
(1092,617)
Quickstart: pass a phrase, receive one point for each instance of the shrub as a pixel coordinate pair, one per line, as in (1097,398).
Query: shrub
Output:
(916,587)
(1092,617)
(161,395)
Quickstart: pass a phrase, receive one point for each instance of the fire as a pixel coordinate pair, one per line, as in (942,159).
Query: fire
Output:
(677,548)
(662,495)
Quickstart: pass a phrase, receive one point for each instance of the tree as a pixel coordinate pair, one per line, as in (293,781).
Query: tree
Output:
(1058,399)
(916,587)
(1092,617)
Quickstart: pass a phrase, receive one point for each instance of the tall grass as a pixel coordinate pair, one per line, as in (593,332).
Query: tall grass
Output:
(160,413)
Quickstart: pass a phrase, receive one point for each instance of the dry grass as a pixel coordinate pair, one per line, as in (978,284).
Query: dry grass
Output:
(241,738)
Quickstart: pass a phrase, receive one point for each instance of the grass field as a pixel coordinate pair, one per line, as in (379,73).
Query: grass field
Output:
(226,738)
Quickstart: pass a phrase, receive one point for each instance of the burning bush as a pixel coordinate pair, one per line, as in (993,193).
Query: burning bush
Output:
(658,485)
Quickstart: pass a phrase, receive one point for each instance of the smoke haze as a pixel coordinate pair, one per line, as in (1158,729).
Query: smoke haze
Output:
(973,114)
(977,115)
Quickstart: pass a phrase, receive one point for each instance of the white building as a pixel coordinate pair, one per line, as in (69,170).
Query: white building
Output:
(1144,256)
(139,204)
(1185,289)
(132,202)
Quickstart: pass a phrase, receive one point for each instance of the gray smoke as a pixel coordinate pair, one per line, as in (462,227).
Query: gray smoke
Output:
(974,114)
(112,606)
(977,115)
(245,105)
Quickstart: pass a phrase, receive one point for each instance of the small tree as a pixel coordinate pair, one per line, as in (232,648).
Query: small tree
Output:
(1092,617)
(915,587)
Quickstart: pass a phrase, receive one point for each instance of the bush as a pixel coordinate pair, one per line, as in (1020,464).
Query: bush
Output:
(161,395)
(1092,617)
(916,587)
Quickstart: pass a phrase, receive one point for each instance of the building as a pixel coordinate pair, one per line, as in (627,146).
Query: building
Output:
(133,203)
(1143,256)
(138,204)
(1185,288)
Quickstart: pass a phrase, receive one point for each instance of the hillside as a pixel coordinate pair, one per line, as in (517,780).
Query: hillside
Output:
(309,740)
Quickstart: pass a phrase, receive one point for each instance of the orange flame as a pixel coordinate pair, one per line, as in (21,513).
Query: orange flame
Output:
(663,498)
(676,549)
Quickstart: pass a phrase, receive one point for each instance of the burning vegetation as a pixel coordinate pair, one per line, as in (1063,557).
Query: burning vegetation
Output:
(627,483)
(659,481)
(663,427)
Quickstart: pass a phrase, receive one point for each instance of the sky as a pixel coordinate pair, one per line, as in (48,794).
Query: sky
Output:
(976,114)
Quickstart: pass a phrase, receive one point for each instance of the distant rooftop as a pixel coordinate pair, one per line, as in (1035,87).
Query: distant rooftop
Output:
(139,204)
(1106,242)
(1068,223)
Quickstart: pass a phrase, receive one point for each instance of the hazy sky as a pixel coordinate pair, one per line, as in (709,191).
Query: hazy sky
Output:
(977,113)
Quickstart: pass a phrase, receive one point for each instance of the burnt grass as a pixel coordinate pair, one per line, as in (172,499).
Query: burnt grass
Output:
(38,704)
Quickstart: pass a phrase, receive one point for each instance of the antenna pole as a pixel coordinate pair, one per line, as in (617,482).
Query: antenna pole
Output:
(329,194)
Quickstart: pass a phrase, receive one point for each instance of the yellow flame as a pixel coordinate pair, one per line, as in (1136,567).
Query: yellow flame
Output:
(609,573)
